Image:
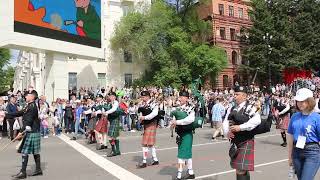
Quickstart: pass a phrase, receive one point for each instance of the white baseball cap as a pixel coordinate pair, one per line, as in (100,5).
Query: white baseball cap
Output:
(303,94)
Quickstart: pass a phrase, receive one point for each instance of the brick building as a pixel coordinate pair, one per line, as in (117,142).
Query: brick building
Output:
(228,17)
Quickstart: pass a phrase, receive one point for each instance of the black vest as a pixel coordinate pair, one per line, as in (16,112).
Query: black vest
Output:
(146,110)
(238,118)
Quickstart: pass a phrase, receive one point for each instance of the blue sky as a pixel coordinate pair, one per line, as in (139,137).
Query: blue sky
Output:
(14,56)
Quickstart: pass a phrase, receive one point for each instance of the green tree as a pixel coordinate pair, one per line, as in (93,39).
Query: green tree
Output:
(294,27)
(4,60)
(172,42)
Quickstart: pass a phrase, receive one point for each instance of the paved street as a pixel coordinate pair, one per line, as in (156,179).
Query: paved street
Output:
(65,159)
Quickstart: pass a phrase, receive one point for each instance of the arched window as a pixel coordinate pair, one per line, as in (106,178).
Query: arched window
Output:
(234,57)
(225,81)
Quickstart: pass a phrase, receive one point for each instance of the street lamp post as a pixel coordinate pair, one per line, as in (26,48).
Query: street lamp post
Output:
(267,38)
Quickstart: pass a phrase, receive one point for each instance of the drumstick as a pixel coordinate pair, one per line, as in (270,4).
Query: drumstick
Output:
(5,147)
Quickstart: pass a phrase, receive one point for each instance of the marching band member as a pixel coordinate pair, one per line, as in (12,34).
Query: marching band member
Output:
(149,119)
(113,117)
(243,118)
(183,117)
(31,135)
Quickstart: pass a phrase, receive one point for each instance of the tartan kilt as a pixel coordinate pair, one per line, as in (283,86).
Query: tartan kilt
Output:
(92,124)
(149,135)
(30,144)
(114,128)
(283,122)
(244,160)
(102,125)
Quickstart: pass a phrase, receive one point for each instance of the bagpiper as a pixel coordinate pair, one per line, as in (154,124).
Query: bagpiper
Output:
(30,136)
(243,119)
(183,118)
(112,112)
(99,131)
(149,119)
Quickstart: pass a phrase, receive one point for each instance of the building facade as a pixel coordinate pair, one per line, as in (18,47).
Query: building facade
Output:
(228,17)
(54,74)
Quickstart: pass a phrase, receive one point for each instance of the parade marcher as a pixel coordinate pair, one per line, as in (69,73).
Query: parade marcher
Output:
(283,118)
(102,125)
(100,136)
(149,118)
(30,135)
(304,137)
(184,116)
(243,119)
(112,112)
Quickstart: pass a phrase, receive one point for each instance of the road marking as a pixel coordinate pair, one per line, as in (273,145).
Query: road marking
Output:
(197,145)
(128,136)
(105,164)
(231,171)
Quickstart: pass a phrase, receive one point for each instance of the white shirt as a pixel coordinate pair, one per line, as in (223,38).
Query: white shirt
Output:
(189,119)
(252,123)
(154,113)
(115,105)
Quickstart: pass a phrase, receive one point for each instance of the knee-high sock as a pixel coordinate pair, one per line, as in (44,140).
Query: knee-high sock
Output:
(37,161)
(117,146)
(190,170)
(284,137)
(105,139)
(144,154)
(25,159)
(154,153)
(180,168)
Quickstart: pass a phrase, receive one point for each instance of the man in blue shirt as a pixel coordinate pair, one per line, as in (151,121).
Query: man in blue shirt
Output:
(77,127)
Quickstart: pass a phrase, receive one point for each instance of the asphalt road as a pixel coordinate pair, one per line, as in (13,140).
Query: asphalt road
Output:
(65,159)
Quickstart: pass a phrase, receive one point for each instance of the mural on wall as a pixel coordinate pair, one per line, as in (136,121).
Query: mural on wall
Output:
(76,21)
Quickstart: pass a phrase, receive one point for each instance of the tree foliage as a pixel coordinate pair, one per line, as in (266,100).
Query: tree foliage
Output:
(295,29)
(6,73)
(171,41)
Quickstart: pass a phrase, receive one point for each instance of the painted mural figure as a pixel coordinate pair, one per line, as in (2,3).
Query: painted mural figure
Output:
(88,19)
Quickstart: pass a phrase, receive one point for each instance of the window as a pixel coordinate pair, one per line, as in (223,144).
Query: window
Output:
(232,34)
(234,58)
(240,12)
(101,60)
(72,81)
(221,9)
(222,33)
(72,58)
(231,11)
(128,80)
(225,81)
(126,10)
(127,56)
(102,79)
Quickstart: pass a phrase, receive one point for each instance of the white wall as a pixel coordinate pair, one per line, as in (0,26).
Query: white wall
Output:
(54,67)
(14,40)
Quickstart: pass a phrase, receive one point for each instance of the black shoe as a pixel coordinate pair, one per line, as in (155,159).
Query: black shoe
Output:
(188,176)
(111,154)
(73,138)
(37,173)
(284,144)
(142,165)
(20,175)
(155,163)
